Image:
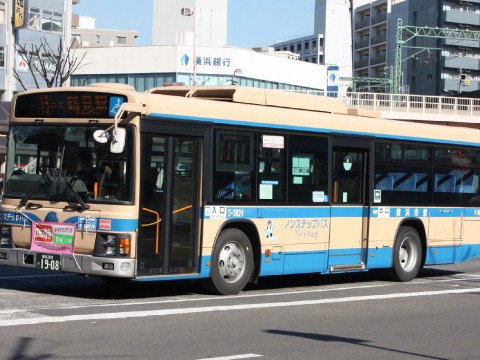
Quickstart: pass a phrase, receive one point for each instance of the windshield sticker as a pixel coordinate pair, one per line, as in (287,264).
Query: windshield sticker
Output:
(55,238)
(87,223)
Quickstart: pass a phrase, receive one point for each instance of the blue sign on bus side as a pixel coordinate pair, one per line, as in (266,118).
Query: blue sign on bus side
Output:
(114,105)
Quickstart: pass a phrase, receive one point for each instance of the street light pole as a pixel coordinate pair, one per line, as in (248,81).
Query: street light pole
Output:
(192,12)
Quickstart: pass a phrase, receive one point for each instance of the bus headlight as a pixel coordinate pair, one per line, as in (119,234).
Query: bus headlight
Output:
(112,245)
(6,236)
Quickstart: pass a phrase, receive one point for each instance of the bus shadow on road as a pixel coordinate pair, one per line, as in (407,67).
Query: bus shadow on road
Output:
(78,286)
(310,280)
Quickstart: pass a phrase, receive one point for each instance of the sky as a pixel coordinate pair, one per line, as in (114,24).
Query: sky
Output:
(251,23)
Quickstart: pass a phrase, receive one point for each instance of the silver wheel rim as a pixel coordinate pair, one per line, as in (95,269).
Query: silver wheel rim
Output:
(231,262)
(408,254)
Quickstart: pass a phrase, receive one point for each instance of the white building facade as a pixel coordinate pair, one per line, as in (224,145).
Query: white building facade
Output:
(207,19)
(145,67)
(331,41)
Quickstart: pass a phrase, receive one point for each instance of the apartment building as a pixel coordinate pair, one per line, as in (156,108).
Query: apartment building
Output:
(331,41)
(455,67)
(432,65)
(370,39)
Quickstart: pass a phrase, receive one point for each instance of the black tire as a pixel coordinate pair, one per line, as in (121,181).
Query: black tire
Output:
(407,254)
(232,263)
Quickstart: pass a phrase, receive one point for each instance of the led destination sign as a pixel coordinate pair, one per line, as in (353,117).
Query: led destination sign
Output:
(68,105)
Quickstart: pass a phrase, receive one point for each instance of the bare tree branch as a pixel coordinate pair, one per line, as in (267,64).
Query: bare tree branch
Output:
(54,67)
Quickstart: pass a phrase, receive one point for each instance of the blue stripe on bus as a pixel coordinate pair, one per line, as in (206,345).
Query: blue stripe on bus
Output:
(305,128)
(124,225)
(252,212)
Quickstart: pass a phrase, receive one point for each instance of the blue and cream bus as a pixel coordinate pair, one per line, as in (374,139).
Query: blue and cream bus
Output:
(228,184)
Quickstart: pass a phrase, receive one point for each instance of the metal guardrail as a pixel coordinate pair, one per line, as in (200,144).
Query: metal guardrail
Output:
(406,103)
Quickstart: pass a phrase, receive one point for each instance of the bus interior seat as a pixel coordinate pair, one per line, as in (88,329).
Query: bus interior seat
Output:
(465,181)
(224,185)
(404,181)
(384,182)
(422,182)
(444,183)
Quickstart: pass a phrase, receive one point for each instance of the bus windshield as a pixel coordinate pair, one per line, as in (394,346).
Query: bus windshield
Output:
(65,163)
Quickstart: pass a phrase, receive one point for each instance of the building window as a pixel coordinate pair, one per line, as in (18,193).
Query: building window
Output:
(307,45)
(121,40)
(97,37)
(2,13)
(299,47)
(314,44)
(52,21)
(2,56)
(34,19)
(45,20)
(77,38)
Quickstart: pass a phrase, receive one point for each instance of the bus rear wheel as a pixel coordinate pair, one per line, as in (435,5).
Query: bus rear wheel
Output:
(232,263)
(407,254)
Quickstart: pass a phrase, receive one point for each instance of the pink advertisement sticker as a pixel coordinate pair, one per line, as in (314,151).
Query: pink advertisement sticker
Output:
(53,238)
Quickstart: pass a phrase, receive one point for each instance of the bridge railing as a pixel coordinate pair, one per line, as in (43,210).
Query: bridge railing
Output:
(407,103)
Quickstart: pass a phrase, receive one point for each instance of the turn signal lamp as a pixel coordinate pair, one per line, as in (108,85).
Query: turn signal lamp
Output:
(124,246)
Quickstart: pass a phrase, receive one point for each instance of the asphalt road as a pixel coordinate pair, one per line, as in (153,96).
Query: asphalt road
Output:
(359,316)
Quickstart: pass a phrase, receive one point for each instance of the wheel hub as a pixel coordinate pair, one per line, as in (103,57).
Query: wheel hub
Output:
(231,262)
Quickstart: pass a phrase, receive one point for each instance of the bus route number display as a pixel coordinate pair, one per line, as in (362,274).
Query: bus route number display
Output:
(68,105)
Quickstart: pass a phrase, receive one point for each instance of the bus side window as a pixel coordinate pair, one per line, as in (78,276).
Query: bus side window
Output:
(271,160)
(308,170)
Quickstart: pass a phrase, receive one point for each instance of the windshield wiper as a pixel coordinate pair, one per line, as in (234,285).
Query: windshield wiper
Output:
(42,181)
(59,172)
(81,204)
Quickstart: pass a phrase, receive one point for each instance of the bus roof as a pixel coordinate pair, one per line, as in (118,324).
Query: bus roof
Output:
(265,97)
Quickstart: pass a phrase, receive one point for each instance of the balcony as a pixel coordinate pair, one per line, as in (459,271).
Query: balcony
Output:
(464,62)
(361,63)
(380,59)
(361,44)
(462,17)
(379,39)
(379,19)
(362,23)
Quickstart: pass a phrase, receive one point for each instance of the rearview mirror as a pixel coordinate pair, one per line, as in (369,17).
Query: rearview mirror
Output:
(118,140)
(101,136)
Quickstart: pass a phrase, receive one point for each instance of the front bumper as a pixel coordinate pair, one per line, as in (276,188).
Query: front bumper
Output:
(81,264)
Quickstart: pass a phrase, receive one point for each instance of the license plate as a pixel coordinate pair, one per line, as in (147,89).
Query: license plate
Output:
(49,262)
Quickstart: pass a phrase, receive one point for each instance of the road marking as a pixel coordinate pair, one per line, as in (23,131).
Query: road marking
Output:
(233,357)
(166,312)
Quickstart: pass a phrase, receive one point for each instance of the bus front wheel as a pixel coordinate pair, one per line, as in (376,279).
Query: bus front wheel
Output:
(232,263)
(407,254)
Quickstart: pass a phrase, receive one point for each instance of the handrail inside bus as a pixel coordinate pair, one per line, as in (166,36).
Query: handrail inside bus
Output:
(158,220)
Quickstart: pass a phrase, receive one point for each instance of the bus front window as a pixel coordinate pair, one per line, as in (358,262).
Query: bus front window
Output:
(66,164)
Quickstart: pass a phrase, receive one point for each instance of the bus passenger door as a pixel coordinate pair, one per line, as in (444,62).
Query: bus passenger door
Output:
(349,213)
(169,195)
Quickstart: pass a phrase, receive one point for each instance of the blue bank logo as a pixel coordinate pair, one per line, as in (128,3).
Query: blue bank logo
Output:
(185,59)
